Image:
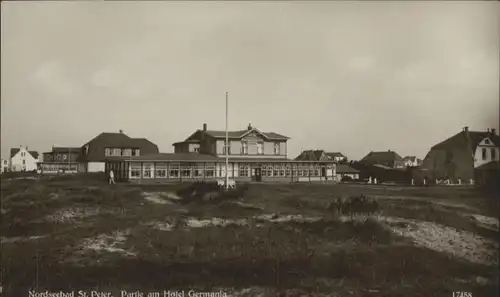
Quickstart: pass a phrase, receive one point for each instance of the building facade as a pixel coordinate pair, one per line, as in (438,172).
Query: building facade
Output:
(344,171)
(412,161)
(249,143)
(109,146)
(252,156)
(463,157)
(388,158)
(21,159)
(337,157)
(60,159)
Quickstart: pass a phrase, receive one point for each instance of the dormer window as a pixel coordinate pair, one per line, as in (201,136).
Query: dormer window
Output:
(487,141)
(276,148)
(260,148)
(244,148)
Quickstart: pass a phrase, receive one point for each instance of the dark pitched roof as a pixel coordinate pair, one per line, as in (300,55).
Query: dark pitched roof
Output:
(143,142)
(175,157)
(237,134)
(493,165)
(105,140)
(462,138)
(344,168)
(312,155)
(14,151)
(335,154)
(60,149)
(187,141)
(195,157)
(387,156)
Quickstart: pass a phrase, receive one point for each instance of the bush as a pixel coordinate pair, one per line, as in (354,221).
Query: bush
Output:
(346,178)
(355,205)
(209,191)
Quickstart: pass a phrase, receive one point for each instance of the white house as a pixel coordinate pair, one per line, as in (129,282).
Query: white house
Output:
(23,160)
(412,161)
(337,156)
(487,150)
(5,165)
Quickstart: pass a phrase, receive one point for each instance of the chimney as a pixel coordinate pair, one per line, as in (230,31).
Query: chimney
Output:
(205,127)
(121,131)
(466,129)
(249,126)
(493,131)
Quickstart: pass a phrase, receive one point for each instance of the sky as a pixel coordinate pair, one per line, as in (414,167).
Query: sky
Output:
(340,76)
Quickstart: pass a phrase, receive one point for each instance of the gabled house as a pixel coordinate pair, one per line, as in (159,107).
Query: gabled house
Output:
(337,157)
(313,155)
(344,171)
(388,158)
(412,161)
(109,146)
(21,159)
(467,155)
(243,144)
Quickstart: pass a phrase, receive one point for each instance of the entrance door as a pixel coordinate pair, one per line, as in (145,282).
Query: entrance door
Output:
(258,174)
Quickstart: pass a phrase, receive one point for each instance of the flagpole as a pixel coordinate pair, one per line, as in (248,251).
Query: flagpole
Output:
(227,145)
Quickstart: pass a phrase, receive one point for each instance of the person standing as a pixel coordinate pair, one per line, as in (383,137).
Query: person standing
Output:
(111,177)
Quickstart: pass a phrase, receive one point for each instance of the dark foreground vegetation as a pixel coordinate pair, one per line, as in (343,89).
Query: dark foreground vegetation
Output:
(73,233)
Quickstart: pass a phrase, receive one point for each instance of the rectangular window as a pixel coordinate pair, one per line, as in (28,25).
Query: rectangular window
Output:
(276,171)
(260,148)
(117,152)
(243,169)
(147,171)
(186,172)
(135,152)
(135,170)
(484,153)
(209,170)
(174,172)
(196,149)
(269,170)
(493,154)
(244,148)
(276,148)
(24,162)
(228,147)
(198,172)
(161,170)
